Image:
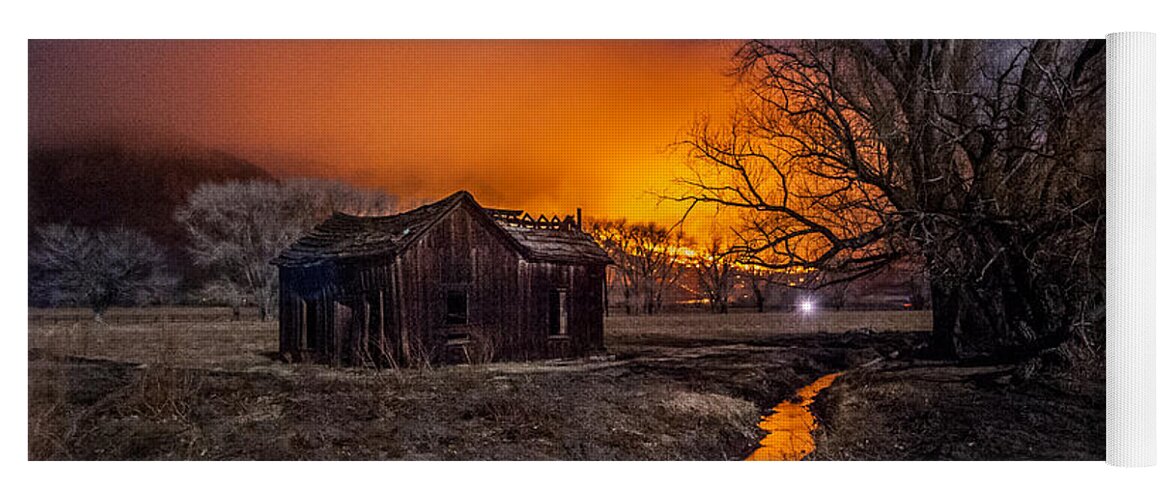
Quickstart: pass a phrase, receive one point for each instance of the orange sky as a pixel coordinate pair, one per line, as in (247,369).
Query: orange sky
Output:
(546,126)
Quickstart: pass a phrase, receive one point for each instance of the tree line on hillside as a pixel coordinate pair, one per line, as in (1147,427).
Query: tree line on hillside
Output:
(234,229)
(131,178)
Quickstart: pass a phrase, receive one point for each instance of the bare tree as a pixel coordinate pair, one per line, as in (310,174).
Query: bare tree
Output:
(97,268)
(834,291)
(715,270)
(779,286)
(224,293)
(660,258)
(984,159)
(759,280)
(237,228)
(650,260)
(612,236)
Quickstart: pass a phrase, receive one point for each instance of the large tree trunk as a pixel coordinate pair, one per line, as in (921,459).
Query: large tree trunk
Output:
(944,315)
(1001,314)
(758,294)
(98,307)
(263,302)
(262,310)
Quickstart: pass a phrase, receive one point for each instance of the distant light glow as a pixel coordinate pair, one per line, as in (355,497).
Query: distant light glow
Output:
(806,306)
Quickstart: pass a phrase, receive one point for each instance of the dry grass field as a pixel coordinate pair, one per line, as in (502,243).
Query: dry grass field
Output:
(685,386)
(926,411)
(674,387)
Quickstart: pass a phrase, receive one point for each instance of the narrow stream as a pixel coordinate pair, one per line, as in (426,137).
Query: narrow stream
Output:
(791,424)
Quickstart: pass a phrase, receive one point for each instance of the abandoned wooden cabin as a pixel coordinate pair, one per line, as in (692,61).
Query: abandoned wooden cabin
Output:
(443,283)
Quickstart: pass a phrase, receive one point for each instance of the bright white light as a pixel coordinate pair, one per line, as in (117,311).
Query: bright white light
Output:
(806,306)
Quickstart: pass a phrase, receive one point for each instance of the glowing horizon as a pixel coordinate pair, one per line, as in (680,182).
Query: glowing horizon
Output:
(543,126)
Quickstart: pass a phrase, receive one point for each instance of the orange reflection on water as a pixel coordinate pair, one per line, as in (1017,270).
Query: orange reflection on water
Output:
(790,426)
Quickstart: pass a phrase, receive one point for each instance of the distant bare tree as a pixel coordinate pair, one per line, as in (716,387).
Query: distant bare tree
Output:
(659,261)
(612,236)
(833,290)
(783,287)
(759,280)
(715,270)
(649,258)
(983,159)
(224,293)
(97,268)
(237,228)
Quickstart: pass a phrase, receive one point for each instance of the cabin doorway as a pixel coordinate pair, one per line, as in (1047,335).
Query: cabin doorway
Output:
(311,328)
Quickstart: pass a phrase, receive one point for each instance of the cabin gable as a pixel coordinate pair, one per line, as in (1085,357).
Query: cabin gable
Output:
(459,263)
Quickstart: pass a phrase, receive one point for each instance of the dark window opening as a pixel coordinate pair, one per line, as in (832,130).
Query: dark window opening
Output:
(558,315)
(457,307)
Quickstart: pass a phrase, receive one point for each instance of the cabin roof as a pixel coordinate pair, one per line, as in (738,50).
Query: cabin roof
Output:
(557,245)
(344,236)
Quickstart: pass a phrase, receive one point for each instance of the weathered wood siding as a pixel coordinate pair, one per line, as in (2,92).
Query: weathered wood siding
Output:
(460,253)
(583,287)
(394,310)
(338,314)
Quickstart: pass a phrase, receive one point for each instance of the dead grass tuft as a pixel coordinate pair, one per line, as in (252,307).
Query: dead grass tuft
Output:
(47,418)
(710,406)
(161,391)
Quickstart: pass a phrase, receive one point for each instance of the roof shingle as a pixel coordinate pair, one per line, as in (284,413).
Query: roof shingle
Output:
(344,236)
